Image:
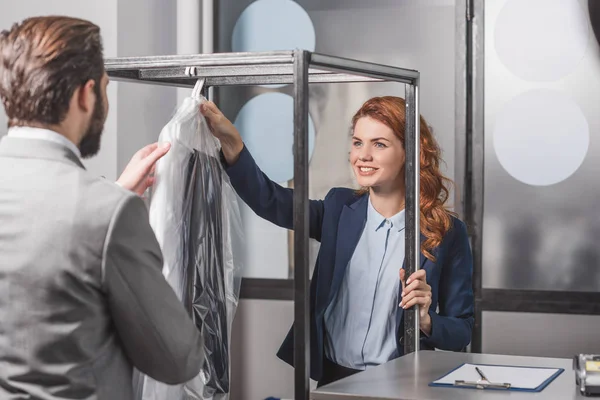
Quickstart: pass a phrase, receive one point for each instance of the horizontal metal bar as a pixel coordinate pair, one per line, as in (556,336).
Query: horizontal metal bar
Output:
(255,72)
(363,68)
(256,63)
(267,289)
(228,70)
(136,76)
(180,83)
(283,79)
(215,59)
(540,301)
(126,74)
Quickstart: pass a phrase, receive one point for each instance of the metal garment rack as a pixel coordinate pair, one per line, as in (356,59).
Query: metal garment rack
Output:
(298,67)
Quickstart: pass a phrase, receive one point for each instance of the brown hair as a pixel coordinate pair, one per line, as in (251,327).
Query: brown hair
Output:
(435,219)
(43,60)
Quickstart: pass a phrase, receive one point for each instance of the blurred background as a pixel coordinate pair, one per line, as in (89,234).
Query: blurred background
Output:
(511,89)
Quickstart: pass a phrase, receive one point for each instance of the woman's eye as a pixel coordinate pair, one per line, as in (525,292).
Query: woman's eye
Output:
(380,145)
(356,144)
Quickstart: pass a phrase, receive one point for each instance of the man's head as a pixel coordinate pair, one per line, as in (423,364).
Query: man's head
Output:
(52,76)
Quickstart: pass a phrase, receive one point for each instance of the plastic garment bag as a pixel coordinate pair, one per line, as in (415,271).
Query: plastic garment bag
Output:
(195,215)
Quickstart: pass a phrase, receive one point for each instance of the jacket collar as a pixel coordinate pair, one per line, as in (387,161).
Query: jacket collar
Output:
(12,146)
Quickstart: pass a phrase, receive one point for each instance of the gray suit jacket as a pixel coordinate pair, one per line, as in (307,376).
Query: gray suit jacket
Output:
(82,296)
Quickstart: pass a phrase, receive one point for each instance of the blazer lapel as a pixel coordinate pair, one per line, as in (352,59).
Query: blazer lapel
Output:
(400,310)
(350,227)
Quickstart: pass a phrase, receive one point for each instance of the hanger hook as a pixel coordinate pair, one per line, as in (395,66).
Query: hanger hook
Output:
(198,88)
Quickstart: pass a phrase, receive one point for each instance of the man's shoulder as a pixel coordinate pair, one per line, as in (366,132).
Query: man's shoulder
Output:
(101,198)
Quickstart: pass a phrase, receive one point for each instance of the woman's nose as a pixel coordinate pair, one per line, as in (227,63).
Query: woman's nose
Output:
(365,155)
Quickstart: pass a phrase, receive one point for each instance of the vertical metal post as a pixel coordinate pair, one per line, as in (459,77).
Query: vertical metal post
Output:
(301,281)
(475,156)
(469,135)
(412,231)
(462,16)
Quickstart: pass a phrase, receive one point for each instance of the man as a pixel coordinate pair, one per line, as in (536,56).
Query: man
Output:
(82,297)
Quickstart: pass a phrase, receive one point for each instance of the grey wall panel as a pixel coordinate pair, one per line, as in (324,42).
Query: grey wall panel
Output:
(540,335)
(146,28)
(105,16)
(541,237)
(128,28)
(258,329)
(402,33)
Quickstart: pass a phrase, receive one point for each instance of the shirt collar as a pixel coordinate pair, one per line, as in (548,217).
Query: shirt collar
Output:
(376,220)
(28,132)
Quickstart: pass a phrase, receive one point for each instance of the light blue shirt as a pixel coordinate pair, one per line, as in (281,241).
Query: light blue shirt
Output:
(360,323)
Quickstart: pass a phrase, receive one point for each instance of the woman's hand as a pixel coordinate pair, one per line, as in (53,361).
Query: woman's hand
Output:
(417,291)
(224,130)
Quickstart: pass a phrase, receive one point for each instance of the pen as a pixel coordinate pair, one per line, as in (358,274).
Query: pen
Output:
(481,374)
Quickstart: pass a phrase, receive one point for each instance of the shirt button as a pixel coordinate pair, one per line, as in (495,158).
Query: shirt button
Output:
(387,222)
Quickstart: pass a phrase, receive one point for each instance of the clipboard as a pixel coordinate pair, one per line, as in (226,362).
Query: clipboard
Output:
(501,377)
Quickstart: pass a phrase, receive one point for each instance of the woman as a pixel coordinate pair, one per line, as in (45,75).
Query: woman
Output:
(356,294)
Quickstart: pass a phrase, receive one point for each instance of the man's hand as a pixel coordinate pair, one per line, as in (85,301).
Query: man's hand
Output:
(138,174)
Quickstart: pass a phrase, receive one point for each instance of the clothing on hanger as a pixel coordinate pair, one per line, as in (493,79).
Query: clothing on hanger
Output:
(195,215)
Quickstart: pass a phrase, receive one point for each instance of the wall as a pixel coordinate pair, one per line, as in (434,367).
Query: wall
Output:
(258,329)
(104,14)
(146,28)
(540,335)
(542,89)
(404,37)
(129,28)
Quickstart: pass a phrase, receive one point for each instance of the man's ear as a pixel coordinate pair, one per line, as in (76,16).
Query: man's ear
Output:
(86,96)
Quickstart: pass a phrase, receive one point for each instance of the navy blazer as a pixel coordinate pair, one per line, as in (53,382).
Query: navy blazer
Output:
(337,222)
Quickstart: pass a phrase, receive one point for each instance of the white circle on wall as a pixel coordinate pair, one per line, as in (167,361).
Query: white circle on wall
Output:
(541,40)
(266,124)
(541,137)
(270,25)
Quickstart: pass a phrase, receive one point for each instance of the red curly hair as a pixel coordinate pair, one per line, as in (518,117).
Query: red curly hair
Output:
(435,219)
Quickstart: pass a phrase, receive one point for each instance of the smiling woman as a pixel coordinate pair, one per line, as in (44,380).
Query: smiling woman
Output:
(356,296)
(377,155)
(379,164)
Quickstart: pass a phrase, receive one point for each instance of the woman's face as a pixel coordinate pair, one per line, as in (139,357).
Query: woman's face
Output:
(377,155)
